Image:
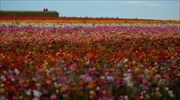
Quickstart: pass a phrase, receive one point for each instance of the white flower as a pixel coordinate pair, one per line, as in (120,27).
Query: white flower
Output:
(37,93)
(35,98)
(126,60)
(146,71)
(129,81)
(38,84)
(3,98)
(16,71)
(157,88)
(98,88)
(21,97)
(170,92)
(57,91)
(126,97)
(110,78)
(64,95)
(3,78)
(28,92)
(167,88)
(2,85)
(87,62)
(102,77)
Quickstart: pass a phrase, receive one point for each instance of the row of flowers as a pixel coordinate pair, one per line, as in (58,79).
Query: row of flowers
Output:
(100,63)
(80,20)
(103,29)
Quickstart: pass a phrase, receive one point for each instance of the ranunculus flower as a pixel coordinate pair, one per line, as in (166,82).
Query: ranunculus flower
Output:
(37,94)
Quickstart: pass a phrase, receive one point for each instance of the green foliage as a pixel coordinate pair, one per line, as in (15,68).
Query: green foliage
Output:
(30,13)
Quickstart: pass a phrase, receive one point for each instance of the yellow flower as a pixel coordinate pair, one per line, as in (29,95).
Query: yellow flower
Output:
(45,63)
(92,92)
(136,70)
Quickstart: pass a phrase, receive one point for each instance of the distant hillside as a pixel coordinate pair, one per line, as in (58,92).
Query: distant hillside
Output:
(30,13)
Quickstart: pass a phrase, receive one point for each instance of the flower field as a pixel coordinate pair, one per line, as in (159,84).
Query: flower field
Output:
(89,59)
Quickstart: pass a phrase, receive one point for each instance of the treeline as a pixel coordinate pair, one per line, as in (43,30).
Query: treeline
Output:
(30,13)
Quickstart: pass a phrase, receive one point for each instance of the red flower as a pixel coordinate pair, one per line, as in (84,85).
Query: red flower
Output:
(1,51)
(7,87)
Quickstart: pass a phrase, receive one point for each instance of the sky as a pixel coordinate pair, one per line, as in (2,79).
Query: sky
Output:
(142,9)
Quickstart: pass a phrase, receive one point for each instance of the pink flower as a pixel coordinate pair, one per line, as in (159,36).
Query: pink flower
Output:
(86,78)
(53,97)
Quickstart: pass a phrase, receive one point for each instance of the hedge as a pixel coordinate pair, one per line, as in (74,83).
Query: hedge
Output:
(30,13)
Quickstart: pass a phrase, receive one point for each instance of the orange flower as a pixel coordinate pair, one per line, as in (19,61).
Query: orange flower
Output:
(81,83)
(45,63)
(90,55)
(91,85)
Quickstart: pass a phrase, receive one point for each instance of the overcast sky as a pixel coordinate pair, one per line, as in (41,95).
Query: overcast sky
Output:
(146,9)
